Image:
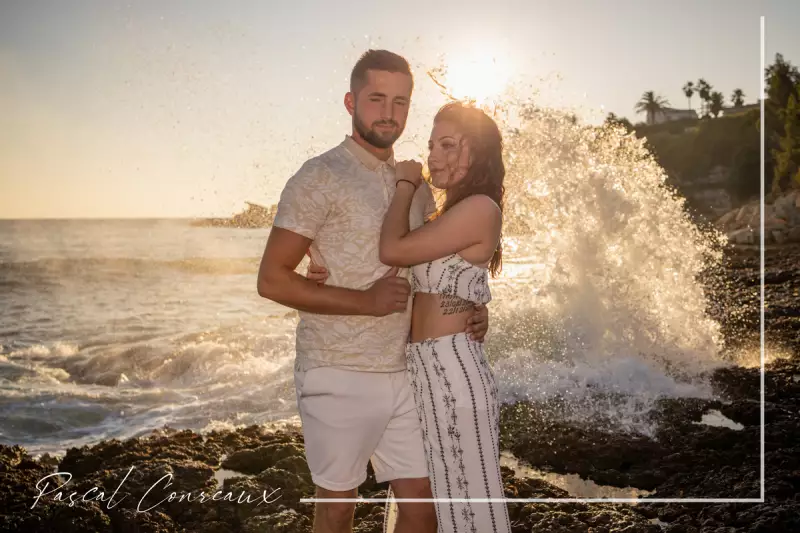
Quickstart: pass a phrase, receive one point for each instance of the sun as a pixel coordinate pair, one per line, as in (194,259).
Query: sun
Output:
(480,76)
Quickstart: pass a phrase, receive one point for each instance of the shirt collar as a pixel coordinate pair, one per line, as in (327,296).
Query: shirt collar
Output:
(363,155)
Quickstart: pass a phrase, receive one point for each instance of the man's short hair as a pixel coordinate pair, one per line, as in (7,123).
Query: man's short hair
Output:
(377,60)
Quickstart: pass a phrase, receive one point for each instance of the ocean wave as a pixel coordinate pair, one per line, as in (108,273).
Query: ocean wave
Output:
(201,359)
(61,394)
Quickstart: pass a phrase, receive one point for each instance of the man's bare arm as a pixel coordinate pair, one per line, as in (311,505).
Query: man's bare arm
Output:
(277,281)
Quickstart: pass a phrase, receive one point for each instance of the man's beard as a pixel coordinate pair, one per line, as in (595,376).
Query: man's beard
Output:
(373,137)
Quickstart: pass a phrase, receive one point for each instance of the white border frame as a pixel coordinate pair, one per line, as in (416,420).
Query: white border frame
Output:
(636,500)
(761,248)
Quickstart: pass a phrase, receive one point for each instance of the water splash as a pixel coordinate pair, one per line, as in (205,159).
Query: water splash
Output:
(601,292)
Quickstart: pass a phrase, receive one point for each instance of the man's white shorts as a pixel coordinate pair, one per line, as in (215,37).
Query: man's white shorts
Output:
(351,417)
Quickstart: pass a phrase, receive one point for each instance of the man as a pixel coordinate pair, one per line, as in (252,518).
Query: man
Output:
(354,398)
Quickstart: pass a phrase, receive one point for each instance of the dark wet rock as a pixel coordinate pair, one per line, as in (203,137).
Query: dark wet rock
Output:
(370,524)
(744,412)
(580,517)
(251,437)
(50,460)
(83,517)
(369,516)
(371,511)
(148,488)
(697,457)
(213,526)
(272,489)
(108,455)
(22,512)
(131,521)
(556,446)
(736,292)
(529,488)
(255,460)
(287,521)
(738,517)
(296,464)
(291,487)
(16,458)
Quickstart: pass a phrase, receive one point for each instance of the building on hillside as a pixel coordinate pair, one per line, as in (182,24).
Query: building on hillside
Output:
(668,114)
(733,111)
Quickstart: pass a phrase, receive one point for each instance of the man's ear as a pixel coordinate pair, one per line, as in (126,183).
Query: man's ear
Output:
(350,103)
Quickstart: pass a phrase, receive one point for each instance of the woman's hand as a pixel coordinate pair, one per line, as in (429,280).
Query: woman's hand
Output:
(315,272)
(409,171)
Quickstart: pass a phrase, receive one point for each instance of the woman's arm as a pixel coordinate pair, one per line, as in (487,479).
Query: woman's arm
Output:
(471,221)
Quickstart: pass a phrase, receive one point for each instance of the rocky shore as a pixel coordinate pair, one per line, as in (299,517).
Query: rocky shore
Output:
(685,459)
(781,221)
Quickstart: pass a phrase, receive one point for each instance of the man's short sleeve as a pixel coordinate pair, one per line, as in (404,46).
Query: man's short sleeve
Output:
(305,201)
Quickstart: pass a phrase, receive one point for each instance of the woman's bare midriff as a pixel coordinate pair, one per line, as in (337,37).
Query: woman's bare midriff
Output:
(435,315)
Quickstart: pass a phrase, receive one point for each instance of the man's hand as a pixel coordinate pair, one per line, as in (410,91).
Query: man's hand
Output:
(478,323)
(388,295)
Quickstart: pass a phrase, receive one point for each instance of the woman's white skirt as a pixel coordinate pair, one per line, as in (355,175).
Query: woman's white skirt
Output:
(456,398)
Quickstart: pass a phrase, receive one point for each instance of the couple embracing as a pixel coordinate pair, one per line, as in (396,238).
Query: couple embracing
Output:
(390,366)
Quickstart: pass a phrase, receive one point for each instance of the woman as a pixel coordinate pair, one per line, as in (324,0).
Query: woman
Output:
(451,257)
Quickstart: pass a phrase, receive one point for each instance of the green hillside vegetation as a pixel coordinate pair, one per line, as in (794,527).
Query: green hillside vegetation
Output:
(690,150)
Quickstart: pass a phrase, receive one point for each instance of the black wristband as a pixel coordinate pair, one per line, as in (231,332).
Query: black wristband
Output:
(407,181)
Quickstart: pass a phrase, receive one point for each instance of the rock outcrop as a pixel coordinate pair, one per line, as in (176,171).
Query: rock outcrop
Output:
(781,221)
(255,216)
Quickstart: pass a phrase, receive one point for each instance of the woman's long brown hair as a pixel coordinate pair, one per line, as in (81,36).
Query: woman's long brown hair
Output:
(486,171)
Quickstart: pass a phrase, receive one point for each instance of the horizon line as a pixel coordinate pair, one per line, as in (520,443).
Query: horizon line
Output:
(66,218)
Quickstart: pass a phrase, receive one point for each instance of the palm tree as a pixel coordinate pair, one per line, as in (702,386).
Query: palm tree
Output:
(650,104)
(688,90)
(737,98)
(704,91)
(716,102)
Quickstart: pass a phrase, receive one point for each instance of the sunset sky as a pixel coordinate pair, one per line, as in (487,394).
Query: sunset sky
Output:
(189,108)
